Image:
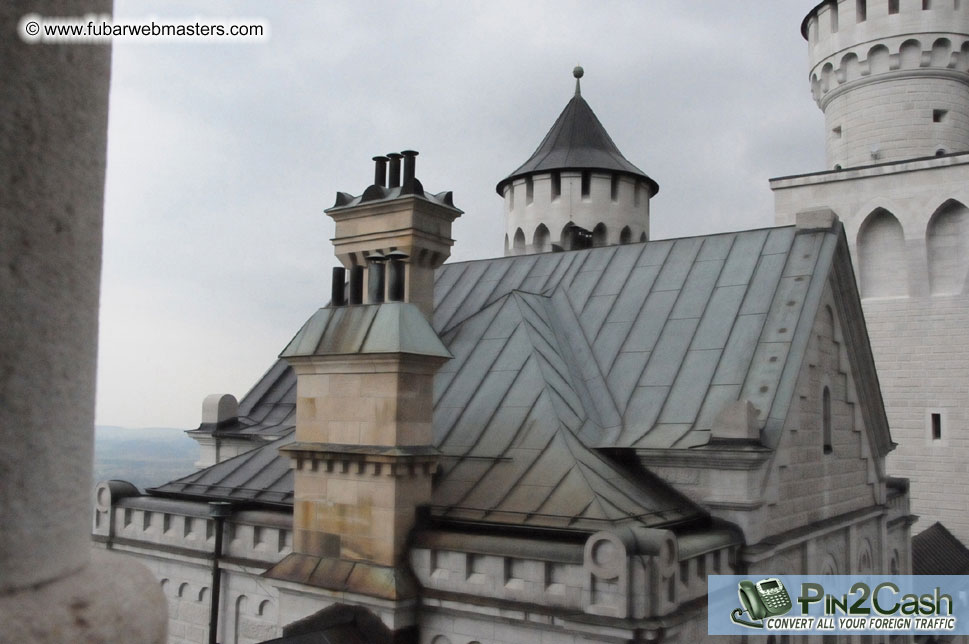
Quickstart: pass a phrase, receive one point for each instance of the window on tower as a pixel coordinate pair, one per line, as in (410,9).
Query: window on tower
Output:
(861,10)
(529,190)
(892,6)
(938,116)
(826,419)
(586,183)
(614,187)
(936,427)
(556,185)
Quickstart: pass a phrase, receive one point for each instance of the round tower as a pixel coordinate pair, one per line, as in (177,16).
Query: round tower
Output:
(577,190)
(892,78)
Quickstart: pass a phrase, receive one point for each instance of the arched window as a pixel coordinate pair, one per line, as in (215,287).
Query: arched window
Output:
(519,242)
(565,240)
(881,256)
(506,242)
(642,236)
(541,239)
(241,603)
(864,558)
(599,235)
(947,245)
(182,590)
(826,419)
(626,235)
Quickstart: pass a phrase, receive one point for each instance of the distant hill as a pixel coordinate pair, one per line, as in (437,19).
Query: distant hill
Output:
(145,457)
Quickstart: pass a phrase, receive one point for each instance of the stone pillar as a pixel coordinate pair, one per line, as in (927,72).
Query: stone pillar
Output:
(53,135)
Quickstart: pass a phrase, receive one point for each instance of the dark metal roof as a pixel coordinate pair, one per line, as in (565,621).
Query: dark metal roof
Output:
(577,141)
(936,551)
(557,355)
(261,476)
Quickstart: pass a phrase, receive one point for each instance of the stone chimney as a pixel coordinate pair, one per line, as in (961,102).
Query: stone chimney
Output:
(363,456)
(400,219)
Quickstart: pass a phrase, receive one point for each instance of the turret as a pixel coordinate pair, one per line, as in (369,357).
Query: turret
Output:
(892,78)
(576,190)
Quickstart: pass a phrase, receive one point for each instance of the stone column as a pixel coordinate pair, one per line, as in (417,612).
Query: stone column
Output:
(53,136)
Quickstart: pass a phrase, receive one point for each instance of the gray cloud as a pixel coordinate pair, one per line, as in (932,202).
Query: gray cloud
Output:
(222,157)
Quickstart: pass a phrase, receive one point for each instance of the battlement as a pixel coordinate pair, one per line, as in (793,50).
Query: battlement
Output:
(849,39)
(892,78)
(543,211)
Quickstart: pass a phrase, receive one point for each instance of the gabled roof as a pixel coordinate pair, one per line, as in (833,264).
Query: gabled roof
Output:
(577,141)
(936,551)
(560,359)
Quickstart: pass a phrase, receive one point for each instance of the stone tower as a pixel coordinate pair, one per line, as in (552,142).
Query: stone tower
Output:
(892,77)
(576,190)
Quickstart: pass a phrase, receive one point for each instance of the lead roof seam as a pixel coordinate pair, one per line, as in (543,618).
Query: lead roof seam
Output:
(495,314)
(622,289)
(689,347)
(555,487)
(599,498)
(560,258)
(652,351)
(642,309)
(733,324)
(566,378)
(477,387)
(278,402)
(507,267)
(366,333)
(813,293)
(497,408)
(265,391)
(570,362)
(458,268)
(447,325)
(595,286)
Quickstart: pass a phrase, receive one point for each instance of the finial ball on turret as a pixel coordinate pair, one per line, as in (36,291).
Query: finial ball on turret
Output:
(578,72)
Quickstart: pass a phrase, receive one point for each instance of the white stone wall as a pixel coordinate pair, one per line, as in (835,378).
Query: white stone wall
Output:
(809,483)
(527,208)
(920,340)
(892,86)
(175,541)
(504,599)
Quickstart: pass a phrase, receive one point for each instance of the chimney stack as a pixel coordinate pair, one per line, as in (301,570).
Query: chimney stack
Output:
(382,221)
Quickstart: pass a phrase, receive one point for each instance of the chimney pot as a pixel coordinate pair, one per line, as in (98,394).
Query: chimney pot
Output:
(380,171)
(393,180)
(338,288)
(410,164)
(395,280)
(356,285)
(375,280)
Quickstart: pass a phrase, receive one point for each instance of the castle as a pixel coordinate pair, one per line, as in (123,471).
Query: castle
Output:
(561,444)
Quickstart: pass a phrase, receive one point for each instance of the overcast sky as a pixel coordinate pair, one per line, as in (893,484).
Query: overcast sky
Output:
(222,157)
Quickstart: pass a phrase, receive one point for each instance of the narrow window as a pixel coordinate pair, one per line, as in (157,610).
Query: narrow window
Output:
(586,183)
(826,419)
(938,116)
(556,185)
(614,187)
(936,427)
(529,190)
(892,6)
(836,132)
(861,10)
(636,195)
(926,5)
(834,18)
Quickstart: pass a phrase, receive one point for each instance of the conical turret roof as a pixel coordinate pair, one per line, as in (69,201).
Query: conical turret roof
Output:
(577,141)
